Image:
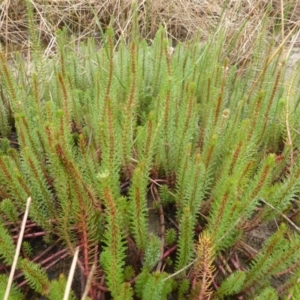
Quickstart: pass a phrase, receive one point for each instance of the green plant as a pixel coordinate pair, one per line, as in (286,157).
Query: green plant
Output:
(107,136)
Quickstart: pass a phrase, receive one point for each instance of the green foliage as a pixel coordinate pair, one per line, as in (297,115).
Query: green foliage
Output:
(191,182)
(152,252)
(153,286)
(277,254)
(27,248)
(141,282)
(166,195)
(268,293)
(36,276)
(9,210)
(7,248)
(57,289)
(105,134)
(112,256)
(231,285)
(128,273)
(138,206)
(15,293)
(4,145)
(125,292)
(185,240)
(183,289)
(170,236)
(293,287)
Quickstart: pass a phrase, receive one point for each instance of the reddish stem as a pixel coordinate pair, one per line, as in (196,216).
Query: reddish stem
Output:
(30,235)
(169,251)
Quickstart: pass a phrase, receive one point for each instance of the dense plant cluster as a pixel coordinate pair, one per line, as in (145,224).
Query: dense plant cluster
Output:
(109,142)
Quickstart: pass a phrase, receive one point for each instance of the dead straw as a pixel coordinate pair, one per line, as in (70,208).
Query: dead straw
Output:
(71,275)
(13,268)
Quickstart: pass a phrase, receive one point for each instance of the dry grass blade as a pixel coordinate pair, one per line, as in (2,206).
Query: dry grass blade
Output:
(71,274)
(20,239)
(282,215)
(89,282)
